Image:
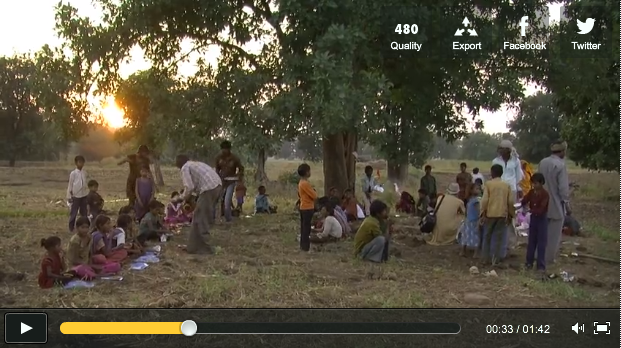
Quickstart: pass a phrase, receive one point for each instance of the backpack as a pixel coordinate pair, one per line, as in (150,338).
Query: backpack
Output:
(428,222)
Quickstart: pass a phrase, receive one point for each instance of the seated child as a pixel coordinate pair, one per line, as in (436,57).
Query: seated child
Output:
(102,251)
(340,215)
(174,211)
(240,194)
(189,205)
(94,201)
(151,226)
(350,205)
(262,203)
(52,265)
(128,210)
(422,207)
(123,236)
(406,203)
(331,229)
(78,254)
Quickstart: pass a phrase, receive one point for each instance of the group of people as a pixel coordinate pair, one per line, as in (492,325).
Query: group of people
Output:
(480,213)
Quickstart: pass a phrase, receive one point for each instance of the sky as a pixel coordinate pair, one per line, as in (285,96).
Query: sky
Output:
(29,24)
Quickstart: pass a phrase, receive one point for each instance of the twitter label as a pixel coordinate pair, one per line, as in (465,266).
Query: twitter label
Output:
(583,31)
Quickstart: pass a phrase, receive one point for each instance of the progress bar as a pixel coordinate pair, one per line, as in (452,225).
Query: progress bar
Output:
(191,328)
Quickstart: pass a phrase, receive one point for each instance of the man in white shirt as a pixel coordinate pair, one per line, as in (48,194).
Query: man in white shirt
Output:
(512,174)
(201,179)
(77,190)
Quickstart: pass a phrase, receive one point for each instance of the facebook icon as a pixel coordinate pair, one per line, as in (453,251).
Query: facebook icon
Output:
(523,24)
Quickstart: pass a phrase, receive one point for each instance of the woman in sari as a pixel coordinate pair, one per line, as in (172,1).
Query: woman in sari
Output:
(528,171)
(136,161)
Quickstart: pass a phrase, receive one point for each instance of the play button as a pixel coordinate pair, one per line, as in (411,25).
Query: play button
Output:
(24,328)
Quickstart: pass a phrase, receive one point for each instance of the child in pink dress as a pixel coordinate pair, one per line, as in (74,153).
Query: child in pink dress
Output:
(175,214)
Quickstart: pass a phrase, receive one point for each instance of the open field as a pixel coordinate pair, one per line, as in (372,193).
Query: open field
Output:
(257,263)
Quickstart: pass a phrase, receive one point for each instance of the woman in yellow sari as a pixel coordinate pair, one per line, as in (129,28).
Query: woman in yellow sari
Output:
(528,171)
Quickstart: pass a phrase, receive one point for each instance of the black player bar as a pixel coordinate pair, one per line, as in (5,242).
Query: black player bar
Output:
(327,328)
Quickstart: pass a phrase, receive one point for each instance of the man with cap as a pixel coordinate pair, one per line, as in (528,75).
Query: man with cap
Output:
(512,174)
(554,171)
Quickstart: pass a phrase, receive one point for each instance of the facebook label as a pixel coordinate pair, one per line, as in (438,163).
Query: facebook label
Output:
(524,24)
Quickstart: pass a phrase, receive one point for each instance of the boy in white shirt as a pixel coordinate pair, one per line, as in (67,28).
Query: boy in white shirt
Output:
(477,175)
(77,190)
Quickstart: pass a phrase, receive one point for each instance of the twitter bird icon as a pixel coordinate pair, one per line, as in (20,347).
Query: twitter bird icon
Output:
(586,26)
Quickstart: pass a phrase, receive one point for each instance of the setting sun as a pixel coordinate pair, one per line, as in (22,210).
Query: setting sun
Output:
(112,115)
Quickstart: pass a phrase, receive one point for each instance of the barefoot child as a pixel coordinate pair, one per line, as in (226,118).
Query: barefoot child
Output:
(307,205)
(497,212)
(262,202)
(537,200)
(240,194)
(175,214)
(102,251)
(94,201)
(78,255)
(145,192)
(52,265)
(350,205)
(470,238)
(331,229)
(123,235)
(151,227)
(77,190)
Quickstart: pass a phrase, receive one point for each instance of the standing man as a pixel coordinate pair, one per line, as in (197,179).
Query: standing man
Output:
(512,174)
(557,184)
(203,180)
(230,169)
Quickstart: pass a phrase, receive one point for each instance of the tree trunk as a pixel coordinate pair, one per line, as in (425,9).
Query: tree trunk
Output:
(159,178)
(397,171)
(339,164)
(12,160)
(260,176)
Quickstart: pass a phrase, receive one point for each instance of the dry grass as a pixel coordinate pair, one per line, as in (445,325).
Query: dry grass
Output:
(257,263)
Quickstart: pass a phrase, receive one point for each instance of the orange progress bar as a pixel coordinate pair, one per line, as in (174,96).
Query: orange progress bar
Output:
(120,328)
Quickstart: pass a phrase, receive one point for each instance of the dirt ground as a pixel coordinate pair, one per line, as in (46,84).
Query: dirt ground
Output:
(257,262)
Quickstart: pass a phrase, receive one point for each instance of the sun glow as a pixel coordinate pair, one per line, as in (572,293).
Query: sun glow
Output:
(112,115)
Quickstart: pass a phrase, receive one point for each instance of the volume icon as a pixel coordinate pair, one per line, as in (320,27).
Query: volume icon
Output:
(577,328)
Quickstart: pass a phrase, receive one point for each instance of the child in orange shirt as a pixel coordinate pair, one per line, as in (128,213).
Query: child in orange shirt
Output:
(307,205)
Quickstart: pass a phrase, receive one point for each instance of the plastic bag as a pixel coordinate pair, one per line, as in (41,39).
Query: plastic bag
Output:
(148,258)
(77,284)
(138,266)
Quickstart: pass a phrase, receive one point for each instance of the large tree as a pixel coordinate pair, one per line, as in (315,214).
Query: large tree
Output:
(586,84)
(536,125)
(331,66)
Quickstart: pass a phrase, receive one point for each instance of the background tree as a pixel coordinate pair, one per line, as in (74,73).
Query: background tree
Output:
(586,89)
(536,125)
(308,147)
(19,106)
(479,146)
